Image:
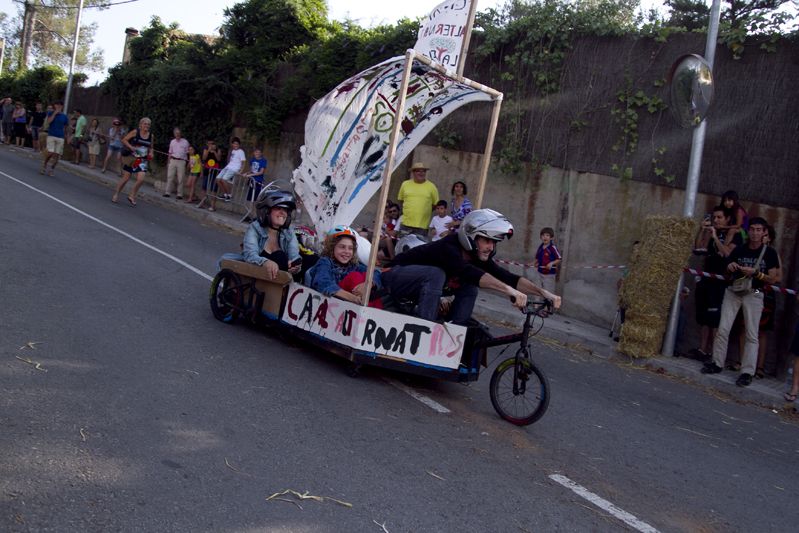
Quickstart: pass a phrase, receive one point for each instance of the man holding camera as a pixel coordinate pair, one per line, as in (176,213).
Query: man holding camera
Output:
(752,266)
(716,243)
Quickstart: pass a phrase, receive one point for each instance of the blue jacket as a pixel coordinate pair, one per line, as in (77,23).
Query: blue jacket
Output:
(255,239)
(326,275)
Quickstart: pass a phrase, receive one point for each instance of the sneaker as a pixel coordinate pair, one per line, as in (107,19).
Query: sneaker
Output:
(711,368)
(165,195)
(744,380)
(178,197)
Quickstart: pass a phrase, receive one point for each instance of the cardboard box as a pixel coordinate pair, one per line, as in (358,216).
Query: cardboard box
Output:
(274,289)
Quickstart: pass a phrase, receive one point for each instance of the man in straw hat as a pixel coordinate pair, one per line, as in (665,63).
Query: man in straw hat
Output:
(418,198)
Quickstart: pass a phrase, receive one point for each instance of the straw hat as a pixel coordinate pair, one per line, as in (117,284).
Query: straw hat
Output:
(419,166)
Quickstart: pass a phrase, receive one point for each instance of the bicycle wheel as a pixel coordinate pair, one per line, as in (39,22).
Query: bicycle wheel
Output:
(522,397)
(225,296)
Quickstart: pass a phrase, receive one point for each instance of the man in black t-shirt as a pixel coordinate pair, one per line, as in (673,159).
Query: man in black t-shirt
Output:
(741,263)
(716,244)
(462,261)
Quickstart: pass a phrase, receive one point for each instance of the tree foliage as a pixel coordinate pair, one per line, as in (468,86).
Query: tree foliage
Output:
(271,60)
(39,84)
(52,35)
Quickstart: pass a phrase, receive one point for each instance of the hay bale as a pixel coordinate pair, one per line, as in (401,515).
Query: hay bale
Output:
(642,334)
(648,289)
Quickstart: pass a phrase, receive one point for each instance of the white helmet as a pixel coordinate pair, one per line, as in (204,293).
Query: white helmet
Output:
(483,223)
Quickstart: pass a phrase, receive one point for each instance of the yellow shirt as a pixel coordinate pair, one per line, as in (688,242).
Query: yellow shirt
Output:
(196,165)
(417,200)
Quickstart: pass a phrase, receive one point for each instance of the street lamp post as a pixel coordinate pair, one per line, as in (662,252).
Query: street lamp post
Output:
(74,55)
(692,182)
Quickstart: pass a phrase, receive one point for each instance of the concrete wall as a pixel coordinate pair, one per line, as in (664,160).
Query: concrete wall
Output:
(596,219)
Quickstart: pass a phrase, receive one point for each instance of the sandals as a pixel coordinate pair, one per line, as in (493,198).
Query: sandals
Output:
(115,199)
(789,397)
(131,201)
(760,373)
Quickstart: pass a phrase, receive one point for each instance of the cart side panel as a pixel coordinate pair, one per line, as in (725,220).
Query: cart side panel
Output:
(274,289)
(375,331)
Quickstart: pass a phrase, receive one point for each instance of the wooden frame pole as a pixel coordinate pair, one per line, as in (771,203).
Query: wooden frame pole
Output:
(410,55)
(492,131)
(467,37)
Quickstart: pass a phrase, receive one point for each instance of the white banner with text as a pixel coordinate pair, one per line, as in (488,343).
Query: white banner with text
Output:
(442,31)
(374,330)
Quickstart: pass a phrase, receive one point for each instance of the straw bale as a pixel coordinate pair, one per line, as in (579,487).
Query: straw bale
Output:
(642,334)
(648,289)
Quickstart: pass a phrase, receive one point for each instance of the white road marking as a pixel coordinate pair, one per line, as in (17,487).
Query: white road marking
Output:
(621,514)
(429,402)
(114,228)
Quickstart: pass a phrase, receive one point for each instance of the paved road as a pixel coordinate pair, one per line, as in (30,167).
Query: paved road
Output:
(148,415)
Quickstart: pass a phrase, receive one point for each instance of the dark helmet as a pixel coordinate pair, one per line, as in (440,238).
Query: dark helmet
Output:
(483,223)
(269,199)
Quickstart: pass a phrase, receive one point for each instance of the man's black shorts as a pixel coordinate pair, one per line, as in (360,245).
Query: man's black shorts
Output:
(709,296)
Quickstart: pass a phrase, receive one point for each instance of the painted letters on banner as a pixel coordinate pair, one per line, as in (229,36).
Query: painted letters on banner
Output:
(374,330)
(441,32)
(347,135)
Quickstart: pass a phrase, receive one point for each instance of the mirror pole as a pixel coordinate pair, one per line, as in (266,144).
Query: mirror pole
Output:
(692,182)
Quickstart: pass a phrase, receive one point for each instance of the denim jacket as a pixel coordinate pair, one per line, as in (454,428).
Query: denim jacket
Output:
(326,275)
(255,239)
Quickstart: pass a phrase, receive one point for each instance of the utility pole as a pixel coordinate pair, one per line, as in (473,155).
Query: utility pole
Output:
(74,55)
(692,182)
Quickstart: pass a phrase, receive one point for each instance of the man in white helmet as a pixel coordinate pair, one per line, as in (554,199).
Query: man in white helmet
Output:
(463,262)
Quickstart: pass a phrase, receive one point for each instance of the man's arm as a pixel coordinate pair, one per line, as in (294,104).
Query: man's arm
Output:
(531,288)
(487,281)
(724,249)
(703,237)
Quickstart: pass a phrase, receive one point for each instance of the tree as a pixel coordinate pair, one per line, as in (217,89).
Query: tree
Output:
(688,14)
(44,34)
(752,16)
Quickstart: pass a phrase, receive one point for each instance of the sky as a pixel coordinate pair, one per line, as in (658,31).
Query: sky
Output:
(198,16)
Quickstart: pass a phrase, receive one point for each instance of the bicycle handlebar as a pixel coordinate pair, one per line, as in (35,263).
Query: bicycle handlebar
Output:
(541,308)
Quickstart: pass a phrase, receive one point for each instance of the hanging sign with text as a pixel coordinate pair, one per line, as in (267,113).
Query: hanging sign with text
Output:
(442,31)
(374,330)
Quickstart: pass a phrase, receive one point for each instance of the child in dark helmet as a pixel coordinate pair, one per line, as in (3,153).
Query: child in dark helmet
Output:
(270,240)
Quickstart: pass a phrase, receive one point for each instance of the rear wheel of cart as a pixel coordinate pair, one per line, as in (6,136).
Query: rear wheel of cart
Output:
(519,391)
(226,296)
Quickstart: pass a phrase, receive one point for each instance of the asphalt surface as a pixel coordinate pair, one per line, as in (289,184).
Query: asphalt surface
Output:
(135,410)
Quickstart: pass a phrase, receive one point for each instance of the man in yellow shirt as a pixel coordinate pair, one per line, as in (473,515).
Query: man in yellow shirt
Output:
(418,198)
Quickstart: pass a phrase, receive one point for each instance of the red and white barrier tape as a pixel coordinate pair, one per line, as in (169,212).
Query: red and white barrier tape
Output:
(505,262)
(694,271)
(697,272)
